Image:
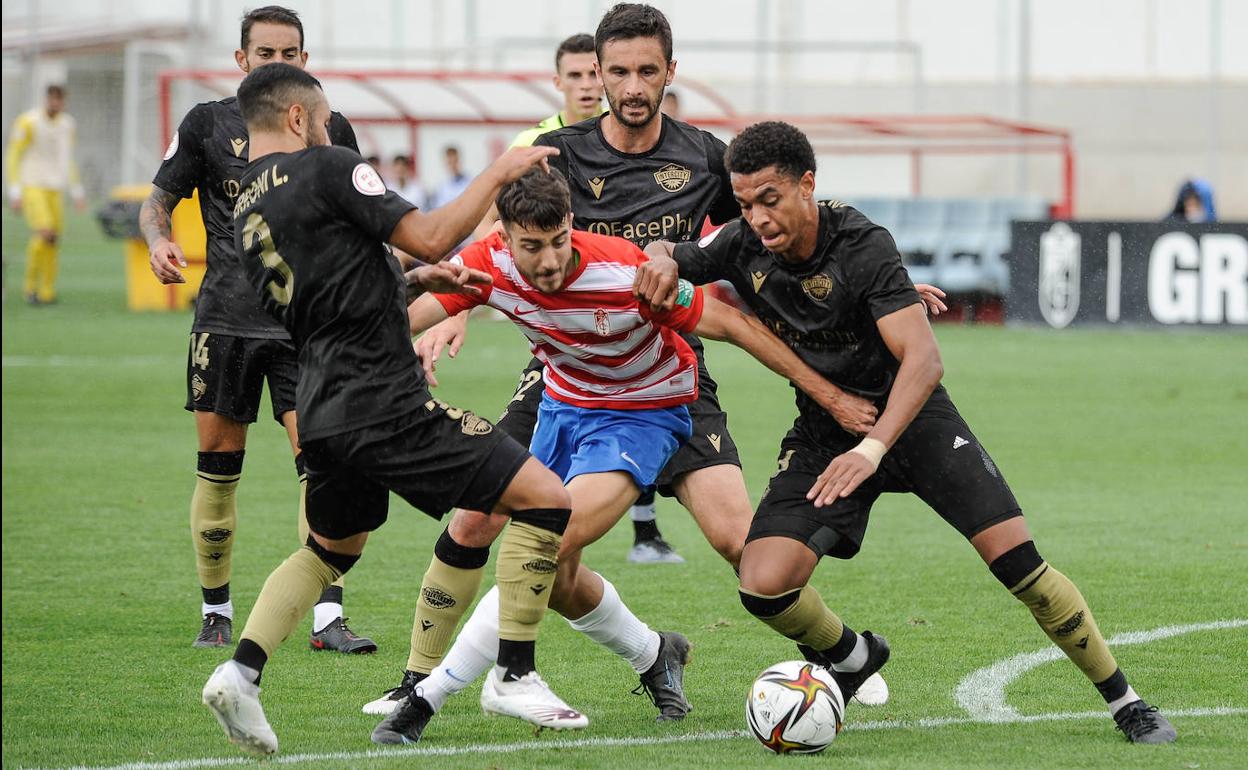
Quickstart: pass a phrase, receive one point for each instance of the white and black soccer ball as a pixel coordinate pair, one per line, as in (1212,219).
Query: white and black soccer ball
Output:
(795,707)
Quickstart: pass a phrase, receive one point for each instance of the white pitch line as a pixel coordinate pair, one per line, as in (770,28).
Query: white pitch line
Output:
(982,693)
(593,743)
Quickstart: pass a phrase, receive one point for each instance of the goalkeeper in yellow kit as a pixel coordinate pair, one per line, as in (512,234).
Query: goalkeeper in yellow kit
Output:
(40,167)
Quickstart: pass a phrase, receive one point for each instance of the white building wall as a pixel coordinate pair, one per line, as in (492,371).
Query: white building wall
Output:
(1153,90)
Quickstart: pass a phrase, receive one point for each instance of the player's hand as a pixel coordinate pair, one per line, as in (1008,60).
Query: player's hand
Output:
(931,296)
(517,161)
(656,282)
(163,257)
(449,334)
(15,198)
(79,198)
(840,478)
(448,278)
(853,413)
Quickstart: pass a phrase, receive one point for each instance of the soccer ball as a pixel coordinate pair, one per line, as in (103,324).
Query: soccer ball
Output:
(795,707)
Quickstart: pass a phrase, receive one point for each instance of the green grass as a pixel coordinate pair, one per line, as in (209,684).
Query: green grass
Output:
(1126,448)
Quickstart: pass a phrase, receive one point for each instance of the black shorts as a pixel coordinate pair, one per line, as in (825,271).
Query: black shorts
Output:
(226,375)
(710,445)
(937,458)
(436,458)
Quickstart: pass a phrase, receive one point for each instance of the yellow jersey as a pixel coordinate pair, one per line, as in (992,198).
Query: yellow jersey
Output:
(41,151)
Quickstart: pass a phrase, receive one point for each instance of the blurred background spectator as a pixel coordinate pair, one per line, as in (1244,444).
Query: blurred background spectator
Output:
(456,179)
(1194,202)
(403,181)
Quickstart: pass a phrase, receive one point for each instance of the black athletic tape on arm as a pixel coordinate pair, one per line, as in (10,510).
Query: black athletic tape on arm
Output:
(452,553)
(339,561)
(1013,566)
(768,606)
(550,519)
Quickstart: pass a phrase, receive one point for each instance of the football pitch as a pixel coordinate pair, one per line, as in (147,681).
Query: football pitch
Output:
(1127,449)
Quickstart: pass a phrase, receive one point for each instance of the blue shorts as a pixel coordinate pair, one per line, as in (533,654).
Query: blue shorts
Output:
(572,440)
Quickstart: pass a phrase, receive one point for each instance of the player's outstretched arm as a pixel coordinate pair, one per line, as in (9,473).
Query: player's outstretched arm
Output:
(422,314)
(430,237)
(155,217)
(450,333)
(909,337)
(655,283)
(721,322)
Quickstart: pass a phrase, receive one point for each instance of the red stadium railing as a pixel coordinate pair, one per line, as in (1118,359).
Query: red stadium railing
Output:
(386,97)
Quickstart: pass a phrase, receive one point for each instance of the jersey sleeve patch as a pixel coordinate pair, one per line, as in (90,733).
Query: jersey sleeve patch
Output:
(367,181)
(172,149)
(684,293)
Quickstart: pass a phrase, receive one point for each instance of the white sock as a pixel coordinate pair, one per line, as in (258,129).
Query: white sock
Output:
(855,660)
(615,627)
(226,609)
(249,673)
(324,614)
(1126,700)
(642,512)
(472,654)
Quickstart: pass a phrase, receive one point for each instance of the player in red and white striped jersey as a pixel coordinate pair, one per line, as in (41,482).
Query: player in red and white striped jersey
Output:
(617,378)
(602,349)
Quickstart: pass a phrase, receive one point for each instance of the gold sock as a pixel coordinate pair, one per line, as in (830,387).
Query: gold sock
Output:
(445,593)
(806,621)
(288,594)
(213,515)
(1061,611)
(527,560)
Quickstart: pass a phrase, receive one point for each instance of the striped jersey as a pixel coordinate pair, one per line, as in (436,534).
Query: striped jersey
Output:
(603,349)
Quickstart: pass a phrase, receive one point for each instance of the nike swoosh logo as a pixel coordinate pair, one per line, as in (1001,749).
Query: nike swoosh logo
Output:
(518,312)
(624,456)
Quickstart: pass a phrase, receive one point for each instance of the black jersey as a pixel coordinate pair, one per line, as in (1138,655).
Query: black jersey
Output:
(310,228)
(663,194)
(209,153)
(825,308)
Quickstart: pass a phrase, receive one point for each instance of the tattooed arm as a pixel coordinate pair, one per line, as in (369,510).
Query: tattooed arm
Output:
(154,223)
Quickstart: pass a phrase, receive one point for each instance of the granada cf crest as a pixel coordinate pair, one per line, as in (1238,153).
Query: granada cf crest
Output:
(672,177)
(601,324)
(1060,257)
(817,287)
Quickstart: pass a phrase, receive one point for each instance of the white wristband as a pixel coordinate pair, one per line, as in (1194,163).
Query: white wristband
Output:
(873,450)
(15,192)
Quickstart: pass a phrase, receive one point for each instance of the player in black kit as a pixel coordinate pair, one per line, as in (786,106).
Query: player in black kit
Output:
(830,283)
(235,346)
(311,223)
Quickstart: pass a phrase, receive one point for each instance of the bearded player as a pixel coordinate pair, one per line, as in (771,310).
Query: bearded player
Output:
(235,346)
(311,223)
